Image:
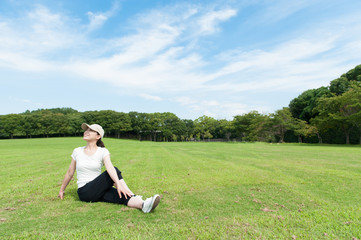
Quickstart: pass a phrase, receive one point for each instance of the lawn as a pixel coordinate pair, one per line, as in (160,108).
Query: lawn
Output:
(208,190)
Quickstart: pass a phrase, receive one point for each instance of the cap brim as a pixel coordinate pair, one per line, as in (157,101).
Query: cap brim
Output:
(85,126)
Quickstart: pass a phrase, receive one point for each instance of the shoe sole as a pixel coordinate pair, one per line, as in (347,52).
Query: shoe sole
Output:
(155,202)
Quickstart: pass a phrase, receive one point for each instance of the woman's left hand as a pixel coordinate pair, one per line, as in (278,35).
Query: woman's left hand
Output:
(123,190)
(121,186)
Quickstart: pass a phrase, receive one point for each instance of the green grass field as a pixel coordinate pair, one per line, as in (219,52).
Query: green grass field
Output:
(209,191)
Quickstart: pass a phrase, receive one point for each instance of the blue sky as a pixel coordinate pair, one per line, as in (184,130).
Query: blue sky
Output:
(192,58)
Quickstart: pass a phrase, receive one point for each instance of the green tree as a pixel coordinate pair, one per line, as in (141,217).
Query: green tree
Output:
(322,125)
(122,124)
(226,128)
(354,74)
(339,85)
(2,132)
(340,111)
(64,111)
(61,124)
(204,126)
(140,124)
(114,123)
(188,131)
(281,121)
(156,124)
(74,122)
(343,83)
(302,106)
(303,129)
(172,127)
(10,124)
(135,123)
(351,101)
(45,122)
(92,117)
(250,126)
(207,135)
(28,125)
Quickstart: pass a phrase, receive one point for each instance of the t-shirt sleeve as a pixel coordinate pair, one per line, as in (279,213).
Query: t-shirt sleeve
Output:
(105,152)
(75,153)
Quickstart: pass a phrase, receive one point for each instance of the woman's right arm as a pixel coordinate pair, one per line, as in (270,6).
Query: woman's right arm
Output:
(68,176)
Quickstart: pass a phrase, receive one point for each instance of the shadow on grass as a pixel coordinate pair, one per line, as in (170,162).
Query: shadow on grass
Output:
(73,194)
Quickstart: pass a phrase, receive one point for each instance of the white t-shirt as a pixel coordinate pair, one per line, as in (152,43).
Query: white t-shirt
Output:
(88,167)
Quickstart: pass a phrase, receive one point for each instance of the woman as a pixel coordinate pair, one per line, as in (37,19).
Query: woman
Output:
(94,186)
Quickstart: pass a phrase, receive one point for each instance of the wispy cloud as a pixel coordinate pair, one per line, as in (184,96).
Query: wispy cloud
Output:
(25,101)
(275,11)
(96,20)
(288,65)
(37,41)
(163,57)
(208,23)
(150,97)
(153,56)
(217,109)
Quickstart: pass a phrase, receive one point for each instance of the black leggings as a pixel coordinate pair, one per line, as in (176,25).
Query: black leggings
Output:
(101,190)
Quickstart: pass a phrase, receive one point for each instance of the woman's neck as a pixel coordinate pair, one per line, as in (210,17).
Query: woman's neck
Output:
(91,145)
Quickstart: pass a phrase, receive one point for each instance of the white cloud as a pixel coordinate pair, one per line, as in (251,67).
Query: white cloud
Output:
(162,56)
(209,21)
(296,65)
(47,31)
(153,59)
(150,97)
(217,109)
(27,102)
(38,41)
(97,20)
(154,55)
(23,62)
(279,10)
(184,100)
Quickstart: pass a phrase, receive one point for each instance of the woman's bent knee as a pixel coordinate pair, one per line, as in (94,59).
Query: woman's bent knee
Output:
(119,173)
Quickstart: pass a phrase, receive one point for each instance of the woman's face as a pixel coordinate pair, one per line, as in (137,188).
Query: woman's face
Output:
(90,135)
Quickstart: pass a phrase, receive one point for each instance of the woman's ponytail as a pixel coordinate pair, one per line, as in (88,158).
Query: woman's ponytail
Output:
(100,143)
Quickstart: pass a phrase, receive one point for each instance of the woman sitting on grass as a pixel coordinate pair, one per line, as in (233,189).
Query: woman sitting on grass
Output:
(94,186)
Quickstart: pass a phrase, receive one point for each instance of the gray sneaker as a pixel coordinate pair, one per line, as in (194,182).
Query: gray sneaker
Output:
(151,203)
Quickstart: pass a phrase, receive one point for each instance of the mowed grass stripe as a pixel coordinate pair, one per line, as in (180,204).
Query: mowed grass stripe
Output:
(209,191)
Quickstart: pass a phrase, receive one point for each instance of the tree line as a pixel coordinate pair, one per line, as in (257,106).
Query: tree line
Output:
(329,114)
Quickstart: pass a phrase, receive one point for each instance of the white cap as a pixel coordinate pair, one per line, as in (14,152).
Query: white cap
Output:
(94,127)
